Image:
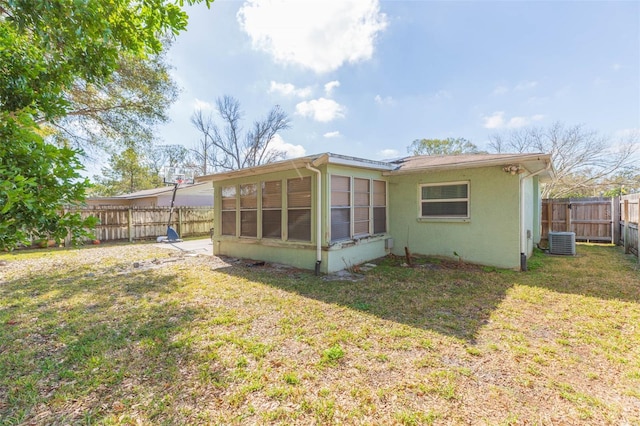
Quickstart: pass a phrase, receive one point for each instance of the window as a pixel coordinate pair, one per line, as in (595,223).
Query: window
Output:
(229,210)
(379,207)
(361,198)
(249,210)
(340,207)
(299,209)
(358,207)
(450,200)
(272,209)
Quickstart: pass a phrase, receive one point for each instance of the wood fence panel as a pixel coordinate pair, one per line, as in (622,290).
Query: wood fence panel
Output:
(591,219)
(146,222)
(633,208)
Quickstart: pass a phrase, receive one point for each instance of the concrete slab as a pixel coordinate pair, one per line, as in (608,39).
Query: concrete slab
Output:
(203,246)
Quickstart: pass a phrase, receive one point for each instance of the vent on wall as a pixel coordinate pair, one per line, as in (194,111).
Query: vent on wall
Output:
(562,243)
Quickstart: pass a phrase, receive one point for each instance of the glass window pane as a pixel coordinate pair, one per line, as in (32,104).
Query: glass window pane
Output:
(299,225)
(379,220)
(361,213)
(249,196)
(361,185)
(379,193)
(249,223)
(272,194)
(340,199)
(272,223)
(229,223)
(299,192)
(361,227)
(441,192)
(340,183)
(340,223)
(445,208)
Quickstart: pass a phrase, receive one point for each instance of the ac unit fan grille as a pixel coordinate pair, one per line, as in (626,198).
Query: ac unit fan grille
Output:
(563,243)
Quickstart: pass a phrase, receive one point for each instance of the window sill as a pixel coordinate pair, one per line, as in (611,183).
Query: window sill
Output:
(443,220)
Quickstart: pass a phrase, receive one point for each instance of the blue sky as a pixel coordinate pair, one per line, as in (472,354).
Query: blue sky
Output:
(366,78)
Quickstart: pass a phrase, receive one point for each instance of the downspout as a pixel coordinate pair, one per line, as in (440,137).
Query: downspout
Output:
(523,236)
(318,217)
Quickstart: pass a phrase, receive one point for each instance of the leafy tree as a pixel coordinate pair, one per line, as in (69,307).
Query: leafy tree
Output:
(225,148)
(583,160)
(37,180)
(127,172)
(125,108)
(449,146)
(162,156)
(48,47)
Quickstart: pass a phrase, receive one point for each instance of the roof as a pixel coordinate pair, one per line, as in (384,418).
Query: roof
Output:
(533,163)
(154,192)
(301,163)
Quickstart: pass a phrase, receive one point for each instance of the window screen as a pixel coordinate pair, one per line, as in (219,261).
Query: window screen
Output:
(450,200)
(249,210)
(228,210)
(340,207)
(272,209)
(299,209)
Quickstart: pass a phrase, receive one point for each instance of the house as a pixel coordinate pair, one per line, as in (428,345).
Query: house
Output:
(328,212)
(193,195)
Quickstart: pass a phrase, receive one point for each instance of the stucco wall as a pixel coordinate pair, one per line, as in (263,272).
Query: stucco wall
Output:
(491,234)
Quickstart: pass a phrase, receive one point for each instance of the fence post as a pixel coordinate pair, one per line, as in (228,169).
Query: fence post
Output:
(626,227)
(549,216)
(568,217)
(180,221)
(130,224)
(615,219)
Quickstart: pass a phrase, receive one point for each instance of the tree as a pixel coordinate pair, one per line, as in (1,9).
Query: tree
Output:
(36,181)
(161,156)
(583,160)
(125,108)
(226,149)
(449,146)
(46,48)
(127,172)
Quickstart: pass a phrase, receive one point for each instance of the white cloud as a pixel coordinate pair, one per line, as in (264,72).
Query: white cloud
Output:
(323,110)
(291,151)
(500,90)
(441,94)
(388,153)
(498,121)
(331,135)
(202,105)
(319,35)
(288,89)
(388,100)
(616,67)
(526,85)
(328,88)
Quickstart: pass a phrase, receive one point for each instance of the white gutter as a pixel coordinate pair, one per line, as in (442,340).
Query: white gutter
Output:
(318,217)
(523,233)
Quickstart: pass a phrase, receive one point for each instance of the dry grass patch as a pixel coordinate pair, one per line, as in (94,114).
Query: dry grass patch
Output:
(86,337)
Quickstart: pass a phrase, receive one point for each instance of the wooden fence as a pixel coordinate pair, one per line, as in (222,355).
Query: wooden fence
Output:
(612,220)
(118,223)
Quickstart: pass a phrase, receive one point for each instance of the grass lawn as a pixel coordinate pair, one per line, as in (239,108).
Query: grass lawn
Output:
(133,334)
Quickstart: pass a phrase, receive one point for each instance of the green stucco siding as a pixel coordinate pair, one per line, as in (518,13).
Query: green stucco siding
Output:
(491,234)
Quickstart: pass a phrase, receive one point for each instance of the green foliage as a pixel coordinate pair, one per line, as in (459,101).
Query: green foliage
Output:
(36,181)
(449,146)
(48,47)
(126,173)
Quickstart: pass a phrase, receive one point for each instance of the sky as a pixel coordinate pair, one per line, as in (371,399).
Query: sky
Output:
(365,78)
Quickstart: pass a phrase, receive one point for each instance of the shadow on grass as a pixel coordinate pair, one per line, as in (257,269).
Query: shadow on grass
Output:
(76,348)
(458,301)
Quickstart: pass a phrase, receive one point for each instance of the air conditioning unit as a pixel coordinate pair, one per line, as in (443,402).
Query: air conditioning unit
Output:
(562,243)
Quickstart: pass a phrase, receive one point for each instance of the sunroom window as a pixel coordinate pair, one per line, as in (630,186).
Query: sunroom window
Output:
(299,209)
(228,210)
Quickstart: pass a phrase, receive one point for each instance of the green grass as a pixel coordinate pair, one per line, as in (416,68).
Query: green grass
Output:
(85,338)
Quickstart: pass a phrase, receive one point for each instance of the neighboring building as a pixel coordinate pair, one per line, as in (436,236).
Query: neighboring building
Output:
(330,212)
(192,195)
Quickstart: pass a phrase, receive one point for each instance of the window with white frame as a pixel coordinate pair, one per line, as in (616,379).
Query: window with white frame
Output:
(358,207)
(450,200)
(249,210)
(299,209)
(340,207)
(272,209)
(379,207)
(228,210)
